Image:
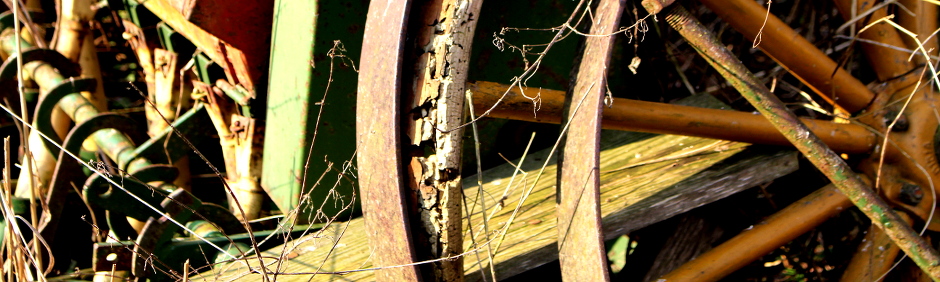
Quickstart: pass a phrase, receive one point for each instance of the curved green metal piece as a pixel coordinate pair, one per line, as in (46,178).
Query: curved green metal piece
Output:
(47,104)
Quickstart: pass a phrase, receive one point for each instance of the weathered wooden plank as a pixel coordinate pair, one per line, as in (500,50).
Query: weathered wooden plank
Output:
(657,179)
(642,182)
(645,178)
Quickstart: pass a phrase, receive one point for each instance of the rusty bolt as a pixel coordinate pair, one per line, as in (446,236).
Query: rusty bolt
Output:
(911,194)
(902,124)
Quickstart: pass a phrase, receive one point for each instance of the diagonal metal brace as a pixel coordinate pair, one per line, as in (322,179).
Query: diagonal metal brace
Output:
(827,161)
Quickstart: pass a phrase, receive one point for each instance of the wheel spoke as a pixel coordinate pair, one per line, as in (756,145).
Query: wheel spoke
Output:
(887,62)
(661,118)
(778,229)
(830,164)
(923,23)
(874,257)
(794,52)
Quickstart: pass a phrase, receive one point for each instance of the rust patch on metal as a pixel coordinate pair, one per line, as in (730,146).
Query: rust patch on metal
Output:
(230,58)
(378,135)
(580,239)
(830,164)
(634,115)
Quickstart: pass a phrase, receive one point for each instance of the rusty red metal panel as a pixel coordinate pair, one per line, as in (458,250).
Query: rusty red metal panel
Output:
(246,26)
(378,136)
(229,56)
(580,241)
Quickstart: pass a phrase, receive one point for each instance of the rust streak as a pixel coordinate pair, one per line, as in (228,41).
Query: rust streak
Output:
(230,58)
(379,140)
(580,240)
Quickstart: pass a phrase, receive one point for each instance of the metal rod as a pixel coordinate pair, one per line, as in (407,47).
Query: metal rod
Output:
(764,237)
(634,115)
(240,151)
(830,164)
(793,52)
(923,23)
(874,256)
(887,62)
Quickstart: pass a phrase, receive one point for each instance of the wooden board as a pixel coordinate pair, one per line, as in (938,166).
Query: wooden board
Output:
(645,179)
(642,182)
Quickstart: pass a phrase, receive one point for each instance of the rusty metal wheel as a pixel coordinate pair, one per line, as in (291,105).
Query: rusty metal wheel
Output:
(409,98)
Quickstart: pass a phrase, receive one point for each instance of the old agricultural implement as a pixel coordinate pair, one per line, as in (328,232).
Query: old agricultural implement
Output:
(175,140)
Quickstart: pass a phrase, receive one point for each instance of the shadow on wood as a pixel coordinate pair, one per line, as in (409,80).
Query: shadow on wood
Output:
(644,179)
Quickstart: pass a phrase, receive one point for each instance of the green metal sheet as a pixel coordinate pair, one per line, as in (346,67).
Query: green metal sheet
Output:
(298,81)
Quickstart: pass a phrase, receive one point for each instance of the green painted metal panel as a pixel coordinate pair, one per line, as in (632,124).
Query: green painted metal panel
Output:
(303,36)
